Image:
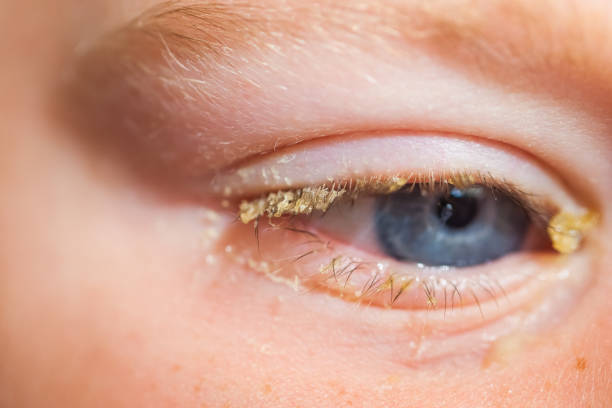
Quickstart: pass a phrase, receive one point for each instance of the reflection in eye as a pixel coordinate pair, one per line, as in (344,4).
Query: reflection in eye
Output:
(460,227)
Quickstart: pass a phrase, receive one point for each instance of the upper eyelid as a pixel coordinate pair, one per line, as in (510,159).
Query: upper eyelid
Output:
(183,124)
(303,166)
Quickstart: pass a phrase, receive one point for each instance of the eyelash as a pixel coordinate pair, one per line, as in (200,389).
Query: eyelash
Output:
(290,205)
(341,269)
(306,200)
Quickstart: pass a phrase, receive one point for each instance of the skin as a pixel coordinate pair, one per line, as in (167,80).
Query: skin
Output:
(115,284)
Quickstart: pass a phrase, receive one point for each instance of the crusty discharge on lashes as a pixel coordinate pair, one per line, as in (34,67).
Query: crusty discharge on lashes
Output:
(308,199)
(565,230)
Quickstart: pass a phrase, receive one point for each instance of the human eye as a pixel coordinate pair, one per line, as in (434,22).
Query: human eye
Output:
(417,223)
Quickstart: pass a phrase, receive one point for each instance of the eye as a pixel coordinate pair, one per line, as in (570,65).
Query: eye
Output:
(421,239)
(438,225)
(461,227)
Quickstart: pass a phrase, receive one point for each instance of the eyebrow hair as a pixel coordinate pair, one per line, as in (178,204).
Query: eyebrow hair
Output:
(491,37)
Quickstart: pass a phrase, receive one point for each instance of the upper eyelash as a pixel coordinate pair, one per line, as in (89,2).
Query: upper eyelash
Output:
(564,229)
(305,200)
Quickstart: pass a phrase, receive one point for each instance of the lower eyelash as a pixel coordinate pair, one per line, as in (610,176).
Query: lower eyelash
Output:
(381,287)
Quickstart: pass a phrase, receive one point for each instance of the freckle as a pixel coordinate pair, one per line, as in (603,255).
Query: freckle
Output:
(267,388)
(176,368)
(581,363)
(392,379)
(334,385)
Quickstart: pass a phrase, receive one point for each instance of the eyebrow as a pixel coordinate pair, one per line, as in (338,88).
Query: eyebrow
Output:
(492,38)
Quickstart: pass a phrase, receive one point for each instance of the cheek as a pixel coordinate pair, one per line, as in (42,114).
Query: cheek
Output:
(97,286)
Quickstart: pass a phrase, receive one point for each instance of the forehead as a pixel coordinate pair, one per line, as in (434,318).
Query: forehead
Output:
(494,36)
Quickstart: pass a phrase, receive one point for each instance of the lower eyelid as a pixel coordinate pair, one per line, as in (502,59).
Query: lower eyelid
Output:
(304,258)
(526,293)
(532,292)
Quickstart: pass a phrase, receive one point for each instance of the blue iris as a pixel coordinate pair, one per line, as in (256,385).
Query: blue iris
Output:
(460,227)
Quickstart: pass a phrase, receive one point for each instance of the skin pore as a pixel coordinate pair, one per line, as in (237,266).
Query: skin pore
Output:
(130,132)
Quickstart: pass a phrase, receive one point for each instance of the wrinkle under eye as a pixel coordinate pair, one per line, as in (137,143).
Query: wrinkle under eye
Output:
(461,227)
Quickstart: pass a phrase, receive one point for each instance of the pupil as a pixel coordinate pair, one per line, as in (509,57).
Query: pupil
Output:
(457,209)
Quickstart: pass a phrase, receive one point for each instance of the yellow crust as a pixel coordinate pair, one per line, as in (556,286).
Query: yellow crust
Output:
(567,230)
(308,199)
(291,202)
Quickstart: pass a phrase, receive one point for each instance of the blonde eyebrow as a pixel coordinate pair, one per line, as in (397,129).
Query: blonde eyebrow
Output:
(492,37)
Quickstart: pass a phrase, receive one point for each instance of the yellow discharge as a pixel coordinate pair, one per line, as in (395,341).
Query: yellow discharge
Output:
(304,201)
(566,230)
(295,202)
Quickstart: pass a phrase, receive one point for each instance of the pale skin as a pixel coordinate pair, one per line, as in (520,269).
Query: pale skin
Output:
(120,137)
